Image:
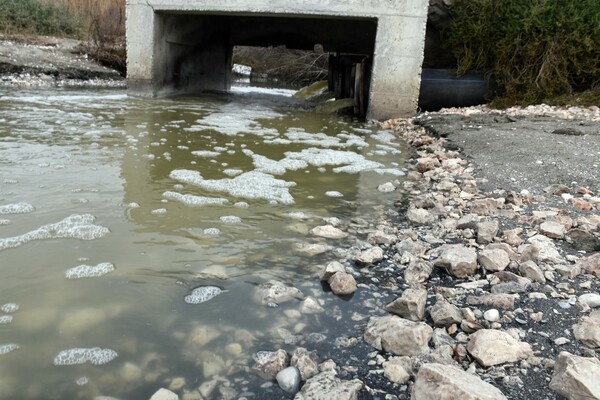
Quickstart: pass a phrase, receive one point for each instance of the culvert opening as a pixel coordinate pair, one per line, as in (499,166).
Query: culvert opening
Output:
(195,52)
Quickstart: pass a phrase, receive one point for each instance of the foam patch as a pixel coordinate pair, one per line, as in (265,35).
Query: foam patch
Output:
(230,219)
(249,185)
(212,231)
(5,319)
(202,294)
(195,201)
(205,153)
(17,208)
(333,193)
(73,227)
(7,348)
(89,271)
(9,308)
(95,356)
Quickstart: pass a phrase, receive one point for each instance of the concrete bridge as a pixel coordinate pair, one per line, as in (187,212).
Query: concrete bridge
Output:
(185,46)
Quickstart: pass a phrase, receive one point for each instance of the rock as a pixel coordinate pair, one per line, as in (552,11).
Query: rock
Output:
(591,299)
(497,300)
(130,373)
(412,247)
(458,260)
(289,379)
(438,381)
(396,369)
(306,361)
(212,364)
(398,336)
(411,305)
(330,269)
(342,284)
(590,264)
(486,231)
(425,164)
(164,394)
(370,256)
(580,204)
(311,306)
(177,383)
(493,259)
(553,230)
(380,237)
(207,388)
(512,236)
(530,270)
(557,189)
(487,206)
(386,187)
(201,336)
(547,249)
(491,347)
(275,292)
(329,232)
(587,330)
(468,221)
(491,315)
(269,363)
(326,386)
(576,378)
(419,216)
(191,395)
(445,314)
(582,240)
(418,272)
(311,249)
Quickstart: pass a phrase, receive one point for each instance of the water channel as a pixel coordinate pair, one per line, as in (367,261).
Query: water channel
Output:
(114,209)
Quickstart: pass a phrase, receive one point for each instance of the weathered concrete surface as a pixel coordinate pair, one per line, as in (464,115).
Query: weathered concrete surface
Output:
(177,46)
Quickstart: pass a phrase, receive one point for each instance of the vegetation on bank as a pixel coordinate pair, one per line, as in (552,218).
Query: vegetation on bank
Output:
(99,23)
(537,50)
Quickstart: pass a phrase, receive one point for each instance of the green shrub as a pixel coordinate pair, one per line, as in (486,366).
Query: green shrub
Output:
(537,50)
(36,17)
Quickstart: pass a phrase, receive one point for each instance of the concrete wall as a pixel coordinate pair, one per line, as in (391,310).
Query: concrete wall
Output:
(185,45)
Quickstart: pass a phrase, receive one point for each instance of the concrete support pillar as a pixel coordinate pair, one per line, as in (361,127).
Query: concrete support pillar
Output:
(140,48)
(396,73)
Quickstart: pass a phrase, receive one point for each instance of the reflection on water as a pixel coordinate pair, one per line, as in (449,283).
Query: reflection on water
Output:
(135,236)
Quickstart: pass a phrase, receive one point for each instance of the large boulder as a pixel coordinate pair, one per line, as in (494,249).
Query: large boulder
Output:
(492,347)
(439,381)
(576,378)
(458,260)
(398,336)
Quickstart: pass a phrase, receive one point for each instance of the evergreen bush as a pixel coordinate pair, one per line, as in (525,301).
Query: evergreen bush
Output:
(537,50)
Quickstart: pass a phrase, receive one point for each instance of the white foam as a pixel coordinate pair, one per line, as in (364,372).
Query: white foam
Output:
(268,166)
(333,193)
(9,308)
(159,211)
(5,222)
(17,208)
(249,185)
(202,294)
(73,227)
(390,171)
(5,319)
(89,271)
(82,381)
(205,153)
(299,136)
(241,204)
(230,219)
(297,215)
(212,231)
(194,201)
(95,356)
(7,348)
(352,162)
(232,172)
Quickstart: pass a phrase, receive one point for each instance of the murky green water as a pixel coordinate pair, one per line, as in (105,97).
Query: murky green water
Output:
(125,163)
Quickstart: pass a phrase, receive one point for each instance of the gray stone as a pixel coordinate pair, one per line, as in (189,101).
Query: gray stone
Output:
(576,378)
(418,272)
(552,229)
(327,386)
(590,264)
(380,237)
(275,292)
(531,270)
(306,361)
(493,259)
(398,336)
(445,314)
(468,221)
(438,381)
(330,269)
(591,299)
(587,330)
(329,232)
(386,187)
(164,394)
(492,347)
(411,305)
(311,306)
(498,300)
(269,363)
(289,379)
(397,369)
(370,256)
(342,284)
(458,260)
(491,315)
(419,216)
(547,250)
(487,231)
